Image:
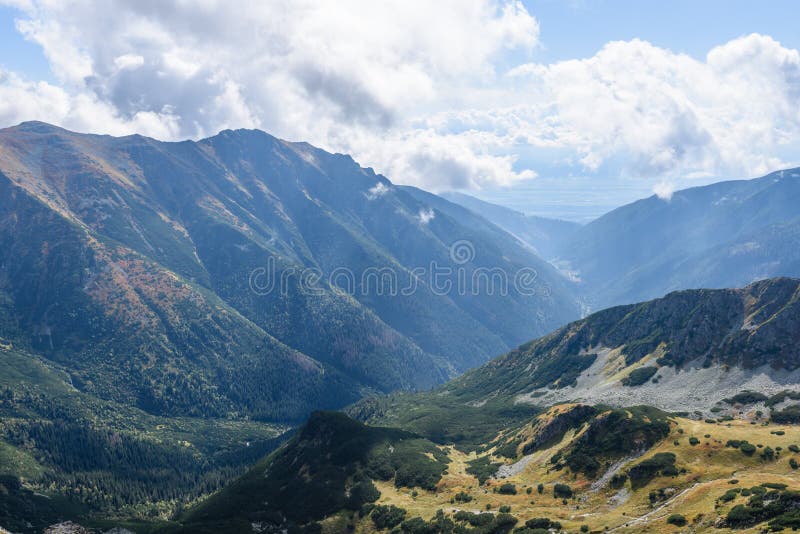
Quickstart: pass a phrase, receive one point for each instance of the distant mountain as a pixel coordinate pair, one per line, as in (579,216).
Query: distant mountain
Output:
(243,275)
(546,236)
(723,235)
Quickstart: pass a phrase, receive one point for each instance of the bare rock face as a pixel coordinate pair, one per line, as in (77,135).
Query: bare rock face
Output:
(68,527)
(688,350)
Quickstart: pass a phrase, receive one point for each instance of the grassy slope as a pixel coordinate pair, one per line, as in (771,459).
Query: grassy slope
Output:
(709,468)
(704,471)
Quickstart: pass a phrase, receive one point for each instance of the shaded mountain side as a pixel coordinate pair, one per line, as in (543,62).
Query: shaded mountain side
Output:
(65,454)
(727,234)
(546,236)
(687,351)
(745,328)
(329,466)
(243,274)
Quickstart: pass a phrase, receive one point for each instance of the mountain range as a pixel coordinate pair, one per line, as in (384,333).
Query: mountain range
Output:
(177,318)
(174,276)
(727,234)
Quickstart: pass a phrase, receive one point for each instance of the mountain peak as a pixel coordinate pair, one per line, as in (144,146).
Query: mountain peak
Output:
(36,127)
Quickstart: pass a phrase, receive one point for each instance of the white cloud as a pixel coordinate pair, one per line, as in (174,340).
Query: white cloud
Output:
(668,113)
(332,73)
(664,190)
(425,216)
(128,61)
(409,88)
(377,191)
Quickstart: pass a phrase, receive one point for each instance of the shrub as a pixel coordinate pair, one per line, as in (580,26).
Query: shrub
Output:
(540,488)
(729,495)
(768,454)
(584,528)
(792,463)
(507,489)
(789,415)
(676,519)
(562,491)
(482,468)
(504,509)
(748,449)
(386,517)
(642,473)
(618,480)
(361,493)
(747,397)
(794,448)
(693,441)
(542,523)
(639,376)
(463,496)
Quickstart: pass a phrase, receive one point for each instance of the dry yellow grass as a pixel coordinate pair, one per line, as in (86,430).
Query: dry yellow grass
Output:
(709,465)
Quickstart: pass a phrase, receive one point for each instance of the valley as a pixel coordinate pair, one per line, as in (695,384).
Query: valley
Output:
(160,372)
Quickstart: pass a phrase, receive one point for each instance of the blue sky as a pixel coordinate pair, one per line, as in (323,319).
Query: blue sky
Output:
(571,29)
(481,95)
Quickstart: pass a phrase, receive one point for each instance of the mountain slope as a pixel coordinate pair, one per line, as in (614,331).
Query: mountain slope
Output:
(571,467)
(520,452)
(546,236)
(687,351)
(726,234)
(242,274)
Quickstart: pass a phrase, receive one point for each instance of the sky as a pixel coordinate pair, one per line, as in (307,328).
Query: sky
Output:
(565,109)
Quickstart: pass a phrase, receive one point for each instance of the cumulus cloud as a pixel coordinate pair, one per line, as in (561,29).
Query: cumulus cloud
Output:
(332,73)
(668,113)
(412,89)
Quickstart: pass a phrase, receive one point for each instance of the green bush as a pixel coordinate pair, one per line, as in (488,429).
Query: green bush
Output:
(661,464)
(747,397)
(729,495)
(676,519)
(482,468)
(639,376)
(693,441)
(542,523)
(618,480)
(462,496)
(386,517)
(789,415)
(562,491)
(507,489)
(748,449)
